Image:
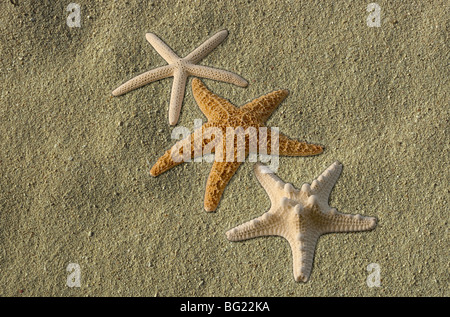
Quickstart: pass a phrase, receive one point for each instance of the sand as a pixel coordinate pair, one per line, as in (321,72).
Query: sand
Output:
(74,162)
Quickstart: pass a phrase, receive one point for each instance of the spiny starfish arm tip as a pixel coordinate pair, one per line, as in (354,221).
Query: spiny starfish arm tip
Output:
(271,183)
(373,222)
(340,222)
(153,172)
(301,275)
(291,147)
(315,149)
(209,207)
(233,235)
(318,149)
(196,82)
(364,223)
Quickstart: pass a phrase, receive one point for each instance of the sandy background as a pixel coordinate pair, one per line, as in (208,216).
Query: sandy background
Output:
(74,162)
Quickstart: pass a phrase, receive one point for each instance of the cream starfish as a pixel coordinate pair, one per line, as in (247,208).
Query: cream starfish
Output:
(221,115)
(301,217)
(180,69)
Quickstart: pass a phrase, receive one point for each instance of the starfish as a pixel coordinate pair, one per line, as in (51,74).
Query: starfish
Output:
(300,216)
(222,117)
(180,69)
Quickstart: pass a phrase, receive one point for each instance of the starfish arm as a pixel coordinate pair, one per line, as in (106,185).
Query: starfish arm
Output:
(177,96)
(265,225)
(207,47)
(323,184)
(167,161)
(215,108)
(289,147)
(217,74)
(144,79)
(193,144)
(335,221)
(162,48)
(220,175)
(271,183)
(264,106)
(303,247)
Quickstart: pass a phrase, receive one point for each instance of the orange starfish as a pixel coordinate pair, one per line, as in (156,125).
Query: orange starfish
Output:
(224,119)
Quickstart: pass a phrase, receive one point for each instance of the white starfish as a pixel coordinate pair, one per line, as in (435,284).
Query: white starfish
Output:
(180,69)
(300,216)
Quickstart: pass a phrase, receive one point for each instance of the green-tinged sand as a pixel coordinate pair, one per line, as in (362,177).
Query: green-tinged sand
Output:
(74,161)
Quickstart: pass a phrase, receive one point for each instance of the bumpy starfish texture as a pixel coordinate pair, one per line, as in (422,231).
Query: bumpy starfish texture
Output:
(180,69)
(300,216)
(222,114)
